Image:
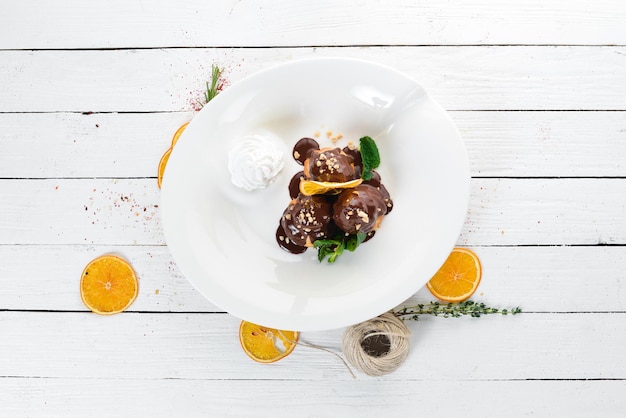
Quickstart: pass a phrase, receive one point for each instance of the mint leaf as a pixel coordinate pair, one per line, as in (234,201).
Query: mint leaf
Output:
(354,241)
(325,242)
(370,157)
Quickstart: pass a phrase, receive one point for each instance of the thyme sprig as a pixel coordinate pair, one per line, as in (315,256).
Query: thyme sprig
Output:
(452,310)
(214,87)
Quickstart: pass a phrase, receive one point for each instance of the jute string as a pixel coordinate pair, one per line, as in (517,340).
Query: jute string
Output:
(386,324)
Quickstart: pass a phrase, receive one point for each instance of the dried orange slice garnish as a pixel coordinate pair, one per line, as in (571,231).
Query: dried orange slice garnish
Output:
(311,187)
(179,132)
(164,159)
(266,345)
(458,278)
(108,285)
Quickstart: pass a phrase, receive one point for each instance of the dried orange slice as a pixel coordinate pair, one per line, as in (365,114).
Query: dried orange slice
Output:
(458,278)
(164,159)
(311,187)
(179,132)
(108,285)
(166,156)
(266,345)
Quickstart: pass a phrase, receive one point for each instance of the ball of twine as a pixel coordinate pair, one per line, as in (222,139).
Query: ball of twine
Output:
(396,333)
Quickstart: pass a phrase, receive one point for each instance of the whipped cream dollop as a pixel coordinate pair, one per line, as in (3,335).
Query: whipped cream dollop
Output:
(255,161)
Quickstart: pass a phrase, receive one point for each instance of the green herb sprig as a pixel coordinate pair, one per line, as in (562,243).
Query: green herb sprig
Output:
(452,310)
(213,88)
(333,248)
(370,157)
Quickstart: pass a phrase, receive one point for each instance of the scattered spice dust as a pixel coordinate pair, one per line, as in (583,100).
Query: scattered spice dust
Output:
(197,99)
(110,204)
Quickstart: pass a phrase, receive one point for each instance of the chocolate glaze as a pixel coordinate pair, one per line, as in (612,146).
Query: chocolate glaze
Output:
(360,209)
(386,197)
(301,149)
(369,236)
(306,219)
(294,184)
(287,244)
(329,164)
(355,153)
(375,180)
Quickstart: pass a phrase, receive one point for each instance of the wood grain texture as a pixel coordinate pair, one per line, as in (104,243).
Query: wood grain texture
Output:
(206,346)
(499,144)
(501,212)
(365,398)
(537,90)
(120,23)
(459,78)
(538,279)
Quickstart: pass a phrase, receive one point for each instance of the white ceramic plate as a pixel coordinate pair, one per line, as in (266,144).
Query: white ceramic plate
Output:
(223,238)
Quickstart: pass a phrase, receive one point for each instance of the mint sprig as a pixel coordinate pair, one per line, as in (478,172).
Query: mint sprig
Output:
(333,248)
(370,157)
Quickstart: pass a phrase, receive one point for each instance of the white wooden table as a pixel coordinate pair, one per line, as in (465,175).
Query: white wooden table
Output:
(90,95)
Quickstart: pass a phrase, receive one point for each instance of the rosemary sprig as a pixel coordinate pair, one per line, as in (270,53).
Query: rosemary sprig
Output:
(452,310)
(213,88)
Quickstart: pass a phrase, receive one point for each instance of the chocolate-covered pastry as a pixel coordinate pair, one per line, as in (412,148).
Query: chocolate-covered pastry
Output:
(355,153)
(329,165)
(302,148)
(333,214)
(294,184)
(306,219)
(375,181)
(360,209)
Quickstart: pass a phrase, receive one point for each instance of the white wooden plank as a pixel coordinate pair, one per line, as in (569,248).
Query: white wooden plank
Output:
(47,277)
(501,212)
(546,212)
(123,212)
(45,145)
(585,279)
(227,398)
(119,23)
(460,78)
(206,346)
(508,144)
(544,144)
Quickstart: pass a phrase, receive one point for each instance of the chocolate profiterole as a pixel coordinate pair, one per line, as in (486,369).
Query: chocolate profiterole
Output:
(360,209)
(306,219)
(329,165)
(338,213)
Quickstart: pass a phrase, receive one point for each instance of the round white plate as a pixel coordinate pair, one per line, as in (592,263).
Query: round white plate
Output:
(223,237)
